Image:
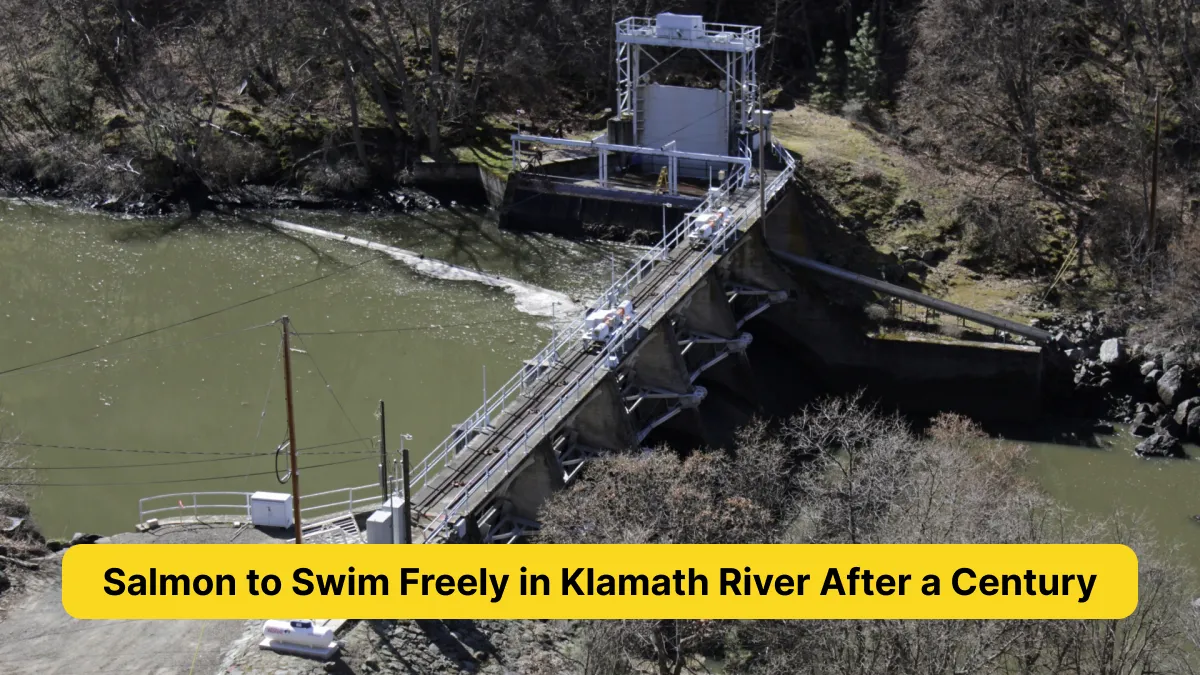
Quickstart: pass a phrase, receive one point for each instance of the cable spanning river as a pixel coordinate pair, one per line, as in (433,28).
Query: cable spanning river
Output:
(70,281)
(74,280)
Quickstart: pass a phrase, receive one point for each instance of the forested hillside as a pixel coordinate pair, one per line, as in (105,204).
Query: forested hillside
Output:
(1073,123)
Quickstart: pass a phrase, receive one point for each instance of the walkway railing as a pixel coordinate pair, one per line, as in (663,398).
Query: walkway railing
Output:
(535,429)
(195,504)
(562,340)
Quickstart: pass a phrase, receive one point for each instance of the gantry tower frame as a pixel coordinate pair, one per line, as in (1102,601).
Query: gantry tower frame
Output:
(738,43)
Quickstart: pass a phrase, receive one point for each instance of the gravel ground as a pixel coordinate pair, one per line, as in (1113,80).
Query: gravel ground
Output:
(433,647)
(39,638)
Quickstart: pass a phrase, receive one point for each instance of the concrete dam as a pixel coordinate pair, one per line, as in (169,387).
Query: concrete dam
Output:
(730,307)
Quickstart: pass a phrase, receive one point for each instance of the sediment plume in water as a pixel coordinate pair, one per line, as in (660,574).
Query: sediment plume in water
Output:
(529,299)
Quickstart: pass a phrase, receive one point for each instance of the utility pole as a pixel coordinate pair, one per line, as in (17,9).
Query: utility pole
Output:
(1153,179)
(291,423)
(383,480)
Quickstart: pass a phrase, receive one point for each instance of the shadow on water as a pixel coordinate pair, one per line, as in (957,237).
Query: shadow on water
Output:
(149,229)
(1079,433)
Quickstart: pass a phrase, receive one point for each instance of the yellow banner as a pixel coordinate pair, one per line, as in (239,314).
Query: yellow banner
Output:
(645,581)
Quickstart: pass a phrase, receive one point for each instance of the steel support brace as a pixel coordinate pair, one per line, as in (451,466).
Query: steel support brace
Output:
(769,298)
(744,162)
(730,346)
(509,529)
(574,458)
(682,402)
(635,83)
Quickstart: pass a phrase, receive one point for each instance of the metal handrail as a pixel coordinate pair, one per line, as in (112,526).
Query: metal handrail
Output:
(520,381)
(373,498)
(195,507)
(748,34)
(482,479)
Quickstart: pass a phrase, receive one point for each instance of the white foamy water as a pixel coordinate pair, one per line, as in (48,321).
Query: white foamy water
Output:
(528,298)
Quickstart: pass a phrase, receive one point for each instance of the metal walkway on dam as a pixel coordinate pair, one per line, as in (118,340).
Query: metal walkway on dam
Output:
(466,471)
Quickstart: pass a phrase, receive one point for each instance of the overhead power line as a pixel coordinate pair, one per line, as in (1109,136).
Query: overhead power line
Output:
(176,480)
(193,319)
(309,450)
(131,466)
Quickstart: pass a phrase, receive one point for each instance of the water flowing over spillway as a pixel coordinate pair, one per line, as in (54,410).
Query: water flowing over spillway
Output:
(529,299)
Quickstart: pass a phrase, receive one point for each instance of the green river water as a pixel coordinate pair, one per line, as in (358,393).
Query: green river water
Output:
(72,280)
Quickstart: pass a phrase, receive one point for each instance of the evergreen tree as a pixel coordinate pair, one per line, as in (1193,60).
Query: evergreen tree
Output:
(865,78)
(827,90)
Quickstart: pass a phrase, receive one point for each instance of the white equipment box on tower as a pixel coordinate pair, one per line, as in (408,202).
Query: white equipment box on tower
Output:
(271,509)
(681,26)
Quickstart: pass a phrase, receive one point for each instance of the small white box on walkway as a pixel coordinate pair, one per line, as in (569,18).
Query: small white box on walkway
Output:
(271,509)
(379,527)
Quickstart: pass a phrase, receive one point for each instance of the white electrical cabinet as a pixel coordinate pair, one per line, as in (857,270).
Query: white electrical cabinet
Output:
(379,527)
(271,509)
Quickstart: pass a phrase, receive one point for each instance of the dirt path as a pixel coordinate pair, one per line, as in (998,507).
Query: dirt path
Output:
(38,637)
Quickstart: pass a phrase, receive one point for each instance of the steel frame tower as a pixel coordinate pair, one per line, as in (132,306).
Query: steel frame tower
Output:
(739,44)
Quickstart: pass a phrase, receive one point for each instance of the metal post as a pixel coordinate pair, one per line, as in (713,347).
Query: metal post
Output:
(291,424)
(407,491)
(391,503)
(383,479)
(762,161)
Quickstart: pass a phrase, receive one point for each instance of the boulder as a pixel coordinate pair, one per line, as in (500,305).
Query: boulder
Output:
(1141,430)
(1181,412)
(1112,352)
(1148,367)
(1167,425)
(1151,379)
(1160,445)
(1171,386)
(1173,358)
(1192,424)
(1145,417)
(81,538)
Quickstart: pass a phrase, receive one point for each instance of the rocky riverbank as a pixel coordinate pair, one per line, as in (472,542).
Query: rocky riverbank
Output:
(394,199)
(1151,388)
